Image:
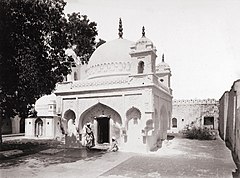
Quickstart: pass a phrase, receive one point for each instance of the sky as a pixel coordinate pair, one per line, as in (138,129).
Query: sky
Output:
(200,39)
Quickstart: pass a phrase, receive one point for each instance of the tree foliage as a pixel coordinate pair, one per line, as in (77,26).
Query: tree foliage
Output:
(81,33)
(200,133)
(34,35)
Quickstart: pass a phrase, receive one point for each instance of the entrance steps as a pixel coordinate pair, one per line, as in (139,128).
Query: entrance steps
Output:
(102,147)
(13,135)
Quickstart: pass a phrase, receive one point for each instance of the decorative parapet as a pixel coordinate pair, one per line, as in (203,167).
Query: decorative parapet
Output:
(111,83)
(90,84)
(108,69)
(195,101)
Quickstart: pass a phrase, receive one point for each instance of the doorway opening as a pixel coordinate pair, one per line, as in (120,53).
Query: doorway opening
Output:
(174,123)
(22,125)
(38,127)
(103,130)
(209,122)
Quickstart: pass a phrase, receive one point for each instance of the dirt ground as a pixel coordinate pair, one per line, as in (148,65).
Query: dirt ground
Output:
(178,157)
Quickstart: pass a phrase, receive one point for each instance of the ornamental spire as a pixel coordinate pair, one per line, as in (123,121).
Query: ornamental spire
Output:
(143,31)
(120,29)
(163,57)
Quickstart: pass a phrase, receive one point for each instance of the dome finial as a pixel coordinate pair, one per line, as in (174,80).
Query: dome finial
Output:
(143,31)
(163,57)
(120,29)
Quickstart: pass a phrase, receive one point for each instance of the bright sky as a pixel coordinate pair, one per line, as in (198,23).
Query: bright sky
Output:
(199,38)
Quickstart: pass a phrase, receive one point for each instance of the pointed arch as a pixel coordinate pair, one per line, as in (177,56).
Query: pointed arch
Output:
(69,114)
(68,122)
(97,111)
(133,114)
(38,127)
(140,67)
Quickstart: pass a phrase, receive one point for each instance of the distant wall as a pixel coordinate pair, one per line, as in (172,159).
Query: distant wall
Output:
(200,113)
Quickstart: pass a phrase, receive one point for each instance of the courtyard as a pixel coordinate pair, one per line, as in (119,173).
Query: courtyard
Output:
(179,157)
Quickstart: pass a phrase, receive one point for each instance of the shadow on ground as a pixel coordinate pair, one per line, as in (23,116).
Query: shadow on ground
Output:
(36,154)
(64,156)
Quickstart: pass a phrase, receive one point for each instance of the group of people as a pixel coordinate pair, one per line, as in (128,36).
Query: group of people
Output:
(90,141)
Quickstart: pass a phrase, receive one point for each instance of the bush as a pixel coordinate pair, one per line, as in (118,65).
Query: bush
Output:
(200,134)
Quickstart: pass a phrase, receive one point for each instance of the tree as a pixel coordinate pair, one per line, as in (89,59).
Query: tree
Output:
(81,33)
(34,35)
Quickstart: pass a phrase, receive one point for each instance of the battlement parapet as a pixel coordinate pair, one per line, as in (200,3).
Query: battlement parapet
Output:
(194,101)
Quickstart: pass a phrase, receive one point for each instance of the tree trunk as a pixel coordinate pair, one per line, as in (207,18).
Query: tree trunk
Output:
(1,122)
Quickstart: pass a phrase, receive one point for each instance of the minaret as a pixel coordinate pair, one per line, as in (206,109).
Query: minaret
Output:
(143,54)
(163,72)
(120,29)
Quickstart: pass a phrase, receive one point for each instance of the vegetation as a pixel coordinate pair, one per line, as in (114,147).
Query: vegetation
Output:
(81,34)
(34,35)
(200,133)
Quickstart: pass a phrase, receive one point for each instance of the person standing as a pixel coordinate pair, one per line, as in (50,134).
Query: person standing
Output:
(89,137)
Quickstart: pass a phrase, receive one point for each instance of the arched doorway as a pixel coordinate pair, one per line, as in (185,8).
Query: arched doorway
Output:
(22,125)
(134,130)
(68,122)
(106,123)
(140,67)
(38,127)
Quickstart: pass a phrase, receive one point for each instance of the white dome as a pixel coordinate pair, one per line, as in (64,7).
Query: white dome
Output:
(111,58)
(143,43)
(163,66)
(42,104)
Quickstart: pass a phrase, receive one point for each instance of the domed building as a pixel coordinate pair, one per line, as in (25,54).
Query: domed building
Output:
(120,92)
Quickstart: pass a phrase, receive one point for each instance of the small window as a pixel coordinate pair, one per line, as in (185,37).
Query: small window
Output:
(140,67)
(161,80)
(47,123)
(174,123)
(182,119)
(208,120)
(75,76)
(29,123)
